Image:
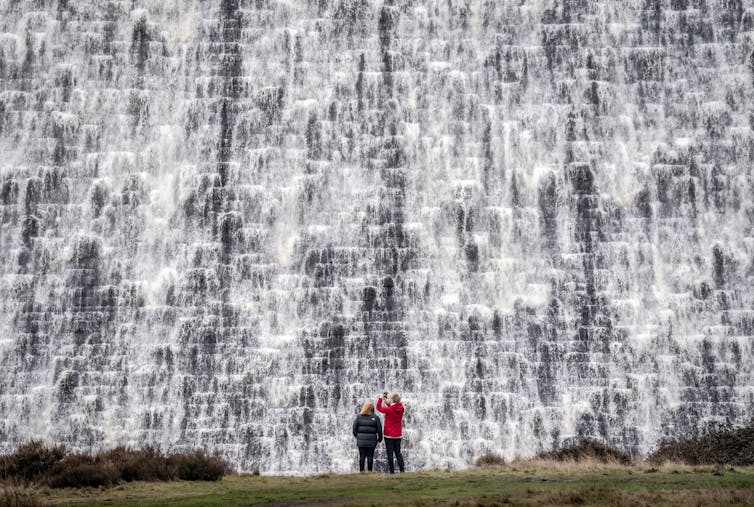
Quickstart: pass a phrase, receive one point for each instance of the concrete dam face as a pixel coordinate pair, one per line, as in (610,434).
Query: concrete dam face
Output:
(225,224)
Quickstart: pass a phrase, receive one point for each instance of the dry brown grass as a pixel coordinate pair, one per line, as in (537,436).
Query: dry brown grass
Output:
(568,466)
(586,455)
(16,496)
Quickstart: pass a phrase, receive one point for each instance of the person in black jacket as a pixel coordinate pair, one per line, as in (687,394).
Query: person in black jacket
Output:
(367,428)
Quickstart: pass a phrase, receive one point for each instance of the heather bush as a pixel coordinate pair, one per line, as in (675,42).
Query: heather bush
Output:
(587,449)
(30,461)
(197,466)
(81,471)
(147,464)
(715,446)
(489,459)
(35,463)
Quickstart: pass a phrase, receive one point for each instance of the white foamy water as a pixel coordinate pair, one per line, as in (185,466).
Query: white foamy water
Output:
(225,224)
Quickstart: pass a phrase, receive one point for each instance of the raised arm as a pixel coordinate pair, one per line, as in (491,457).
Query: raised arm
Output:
(382,409)
(388,409)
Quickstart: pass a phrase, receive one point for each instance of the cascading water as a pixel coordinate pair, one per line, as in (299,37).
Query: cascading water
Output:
(224,224)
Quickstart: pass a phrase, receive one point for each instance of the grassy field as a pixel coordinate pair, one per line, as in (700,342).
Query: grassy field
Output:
(526,483)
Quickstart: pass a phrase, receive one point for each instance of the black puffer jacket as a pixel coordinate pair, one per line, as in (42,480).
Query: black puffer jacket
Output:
(368,430)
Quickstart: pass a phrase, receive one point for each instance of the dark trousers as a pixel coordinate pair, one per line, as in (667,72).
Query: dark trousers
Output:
(393,445)
(366,453)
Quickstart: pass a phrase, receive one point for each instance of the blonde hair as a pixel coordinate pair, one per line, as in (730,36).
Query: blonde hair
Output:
(367,408)
(395,398)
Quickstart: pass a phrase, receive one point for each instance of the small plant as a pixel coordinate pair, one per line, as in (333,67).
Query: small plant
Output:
(489,459)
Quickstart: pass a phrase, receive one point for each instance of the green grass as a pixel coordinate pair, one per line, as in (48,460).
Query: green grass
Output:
(533,483)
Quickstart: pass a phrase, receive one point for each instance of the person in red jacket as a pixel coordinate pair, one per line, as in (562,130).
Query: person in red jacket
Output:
(393,429)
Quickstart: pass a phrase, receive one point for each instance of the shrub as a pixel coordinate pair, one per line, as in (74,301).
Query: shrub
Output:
(489,459)
(587,449)
(33,462)
(197,466)
(715,446)
(147,464)
(81,471)
(30,461)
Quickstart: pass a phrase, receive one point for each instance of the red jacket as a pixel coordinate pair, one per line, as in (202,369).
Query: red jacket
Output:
(393,416)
